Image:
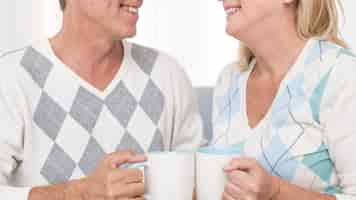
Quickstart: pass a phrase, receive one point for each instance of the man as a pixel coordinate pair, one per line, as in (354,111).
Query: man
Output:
(76,107)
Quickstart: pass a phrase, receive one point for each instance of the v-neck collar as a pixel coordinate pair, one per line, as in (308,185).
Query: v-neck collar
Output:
(297,67)
(84,83)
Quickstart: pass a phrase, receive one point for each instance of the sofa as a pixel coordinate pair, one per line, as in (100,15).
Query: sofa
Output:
(205,100)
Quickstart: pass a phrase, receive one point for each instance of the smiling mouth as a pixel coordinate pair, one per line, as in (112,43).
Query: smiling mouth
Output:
(130,9)
(232,11)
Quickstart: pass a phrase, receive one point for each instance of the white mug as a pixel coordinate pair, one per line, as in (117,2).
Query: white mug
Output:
(210,175)
(168,175)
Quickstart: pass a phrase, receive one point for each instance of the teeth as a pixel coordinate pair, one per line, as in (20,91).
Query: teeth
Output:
(131,9)
(232,11)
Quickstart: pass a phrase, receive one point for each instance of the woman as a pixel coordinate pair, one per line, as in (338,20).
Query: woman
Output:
(288,103)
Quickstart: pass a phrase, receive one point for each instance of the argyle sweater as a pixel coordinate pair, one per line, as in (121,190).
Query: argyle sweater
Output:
(55,126)
(308,135)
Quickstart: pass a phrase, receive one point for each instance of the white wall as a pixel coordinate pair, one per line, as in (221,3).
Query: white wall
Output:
(21,22)
(191,30)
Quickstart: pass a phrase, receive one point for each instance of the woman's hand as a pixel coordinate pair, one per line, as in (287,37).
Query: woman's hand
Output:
(247,180)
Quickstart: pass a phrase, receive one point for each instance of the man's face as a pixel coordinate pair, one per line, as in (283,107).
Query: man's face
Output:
(116,17)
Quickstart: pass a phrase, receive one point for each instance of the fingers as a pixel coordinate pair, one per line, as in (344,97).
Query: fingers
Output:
(111,182)
(127,198)
(136,198)
(123,184)
(131,190)
(240,179)
(244,164)
(117,159)
(227,196)
(138,158)
(127,176)
(232,191)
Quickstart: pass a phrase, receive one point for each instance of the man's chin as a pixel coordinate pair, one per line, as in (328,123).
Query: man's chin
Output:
(125,35)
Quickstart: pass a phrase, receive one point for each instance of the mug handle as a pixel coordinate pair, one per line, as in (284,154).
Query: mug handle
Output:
(141,166)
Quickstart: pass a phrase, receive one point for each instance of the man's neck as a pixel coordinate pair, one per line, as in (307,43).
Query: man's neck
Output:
(87,48)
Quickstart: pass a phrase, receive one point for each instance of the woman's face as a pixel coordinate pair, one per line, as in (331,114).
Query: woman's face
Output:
(116,17)
(244,16)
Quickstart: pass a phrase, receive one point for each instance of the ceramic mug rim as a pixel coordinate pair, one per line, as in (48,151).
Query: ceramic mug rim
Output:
(220,151)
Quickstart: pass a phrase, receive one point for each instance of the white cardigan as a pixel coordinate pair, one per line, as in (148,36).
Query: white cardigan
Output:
(309,134)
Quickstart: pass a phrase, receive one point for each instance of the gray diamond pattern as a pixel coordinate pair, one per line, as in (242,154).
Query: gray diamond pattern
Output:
(122,104)
(37,66)
(92,156)
(157,142)
(58,167)
(129,143)
(86,109)
(49,116)
(152,101)
(144,57)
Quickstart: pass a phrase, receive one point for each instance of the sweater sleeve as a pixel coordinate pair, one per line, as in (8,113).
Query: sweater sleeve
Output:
(338,116)
(11,138)
(187,130)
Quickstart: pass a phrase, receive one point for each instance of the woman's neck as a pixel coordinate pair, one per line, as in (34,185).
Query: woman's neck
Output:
(276,53)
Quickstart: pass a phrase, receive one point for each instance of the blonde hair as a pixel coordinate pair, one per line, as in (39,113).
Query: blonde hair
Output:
(315,18)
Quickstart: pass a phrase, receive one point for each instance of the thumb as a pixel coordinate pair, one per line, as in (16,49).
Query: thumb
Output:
(117,159)
(243,164)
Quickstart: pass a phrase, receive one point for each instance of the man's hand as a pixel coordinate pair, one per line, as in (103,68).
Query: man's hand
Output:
(108,182)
